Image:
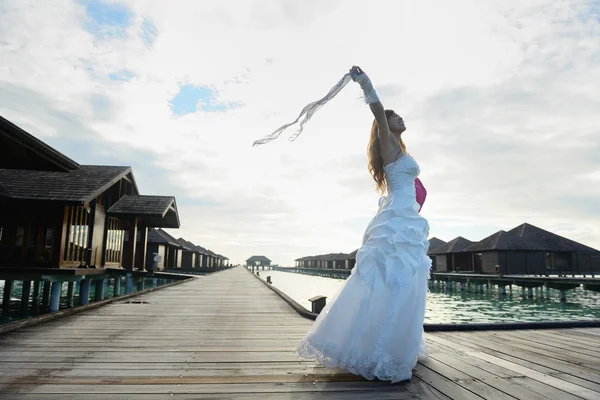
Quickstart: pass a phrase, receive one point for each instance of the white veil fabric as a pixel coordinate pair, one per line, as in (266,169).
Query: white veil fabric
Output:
(308,111)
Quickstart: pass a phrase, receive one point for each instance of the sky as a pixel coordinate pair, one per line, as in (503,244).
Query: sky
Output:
(500,101)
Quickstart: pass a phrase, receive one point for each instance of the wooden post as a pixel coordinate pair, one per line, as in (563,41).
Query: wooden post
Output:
(36,294)
(530,292)
(26,292)
(84,291)
(46,296)
(131,244)
(8,286)
(70,293)
(563,295)
(140,284)
(318,303)
(117,287)
(129,283)
(55,296)
(143,246)
(99,289)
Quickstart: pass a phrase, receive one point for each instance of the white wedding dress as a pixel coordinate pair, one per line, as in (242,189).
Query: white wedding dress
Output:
(374,325)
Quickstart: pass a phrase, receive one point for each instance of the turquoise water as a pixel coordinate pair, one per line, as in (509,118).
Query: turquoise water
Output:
(453,306)
(36,309)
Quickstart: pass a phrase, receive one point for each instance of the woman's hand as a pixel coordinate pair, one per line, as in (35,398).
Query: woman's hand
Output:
(355,71)
(359,76)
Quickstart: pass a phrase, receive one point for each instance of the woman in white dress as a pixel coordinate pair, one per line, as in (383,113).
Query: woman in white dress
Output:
(374,325)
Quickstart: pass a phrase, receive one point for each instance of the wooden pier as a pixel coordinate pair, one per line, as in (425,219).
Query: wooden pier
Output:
(226,335)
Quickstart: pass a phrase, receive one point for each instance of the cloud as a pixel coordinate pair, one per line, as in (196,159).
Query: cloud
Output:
(500,100)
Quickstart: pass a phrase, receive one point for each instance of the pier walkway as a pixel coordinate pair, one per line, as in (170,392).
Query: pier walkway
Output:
(228,336)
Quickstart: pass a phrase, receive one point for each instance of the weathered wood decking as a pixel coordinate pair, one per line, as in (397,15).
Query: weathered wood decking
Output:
(226,336)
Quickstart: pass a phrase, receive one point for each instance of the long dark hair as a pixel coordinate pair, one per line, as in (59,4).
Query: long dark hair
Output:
(374,154)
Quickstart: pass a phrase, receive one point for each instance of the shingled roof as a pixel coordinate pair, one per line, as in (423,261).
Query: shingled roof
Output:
(502,240)
(456,245)
(79,186)
(156,211)
(21,150)
(434,243)
(186,245)
(160,236)
(548,241)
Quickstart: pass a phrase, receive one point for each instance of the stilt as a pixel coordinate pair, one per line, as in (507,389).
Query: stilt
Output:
(55,296)
(8,286)
(563,295)
(530,292)
(84,292)
(502,290)
(36,294)
(46,296)
(70,294)
(25,294)
(129,283)
(99,289)
(154,282)
(117,287)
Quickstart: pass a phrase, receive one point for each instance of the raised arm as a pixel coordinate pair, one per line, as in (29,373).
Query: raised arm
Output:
(390,148)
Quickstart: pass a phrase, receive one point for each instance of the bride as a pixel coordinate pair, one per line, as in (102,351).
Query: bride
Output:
(374,326)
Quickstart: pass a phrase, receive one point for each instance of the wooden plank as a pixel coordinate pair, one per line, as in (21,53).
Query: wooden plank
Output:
(231,389)
(528,384)
(494,381)
(564,370)
(227,335)
(356,395)
(443,384)
(540,342)
(551,380)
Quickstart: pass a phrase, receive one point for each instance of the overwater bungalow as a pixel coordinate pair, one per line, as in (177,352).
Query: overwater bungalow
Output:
(434,244)
(260,261)
(525,249)
(189,254)
(452,257)
(166,247)
(56,213)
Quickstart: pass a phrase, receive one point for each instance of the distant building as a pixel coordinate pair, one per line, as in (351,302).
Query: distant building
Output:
(258,261)
(525,249)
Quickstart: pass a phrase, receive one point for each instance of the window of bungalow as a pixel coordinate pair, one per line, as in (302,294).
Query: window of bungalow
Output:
(18,242)
(48,244)
(77,234)
(115,235)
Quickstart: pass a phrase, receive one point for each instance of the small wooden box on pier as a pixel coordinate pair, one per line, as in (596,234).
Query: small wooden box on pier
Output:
(318,302)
